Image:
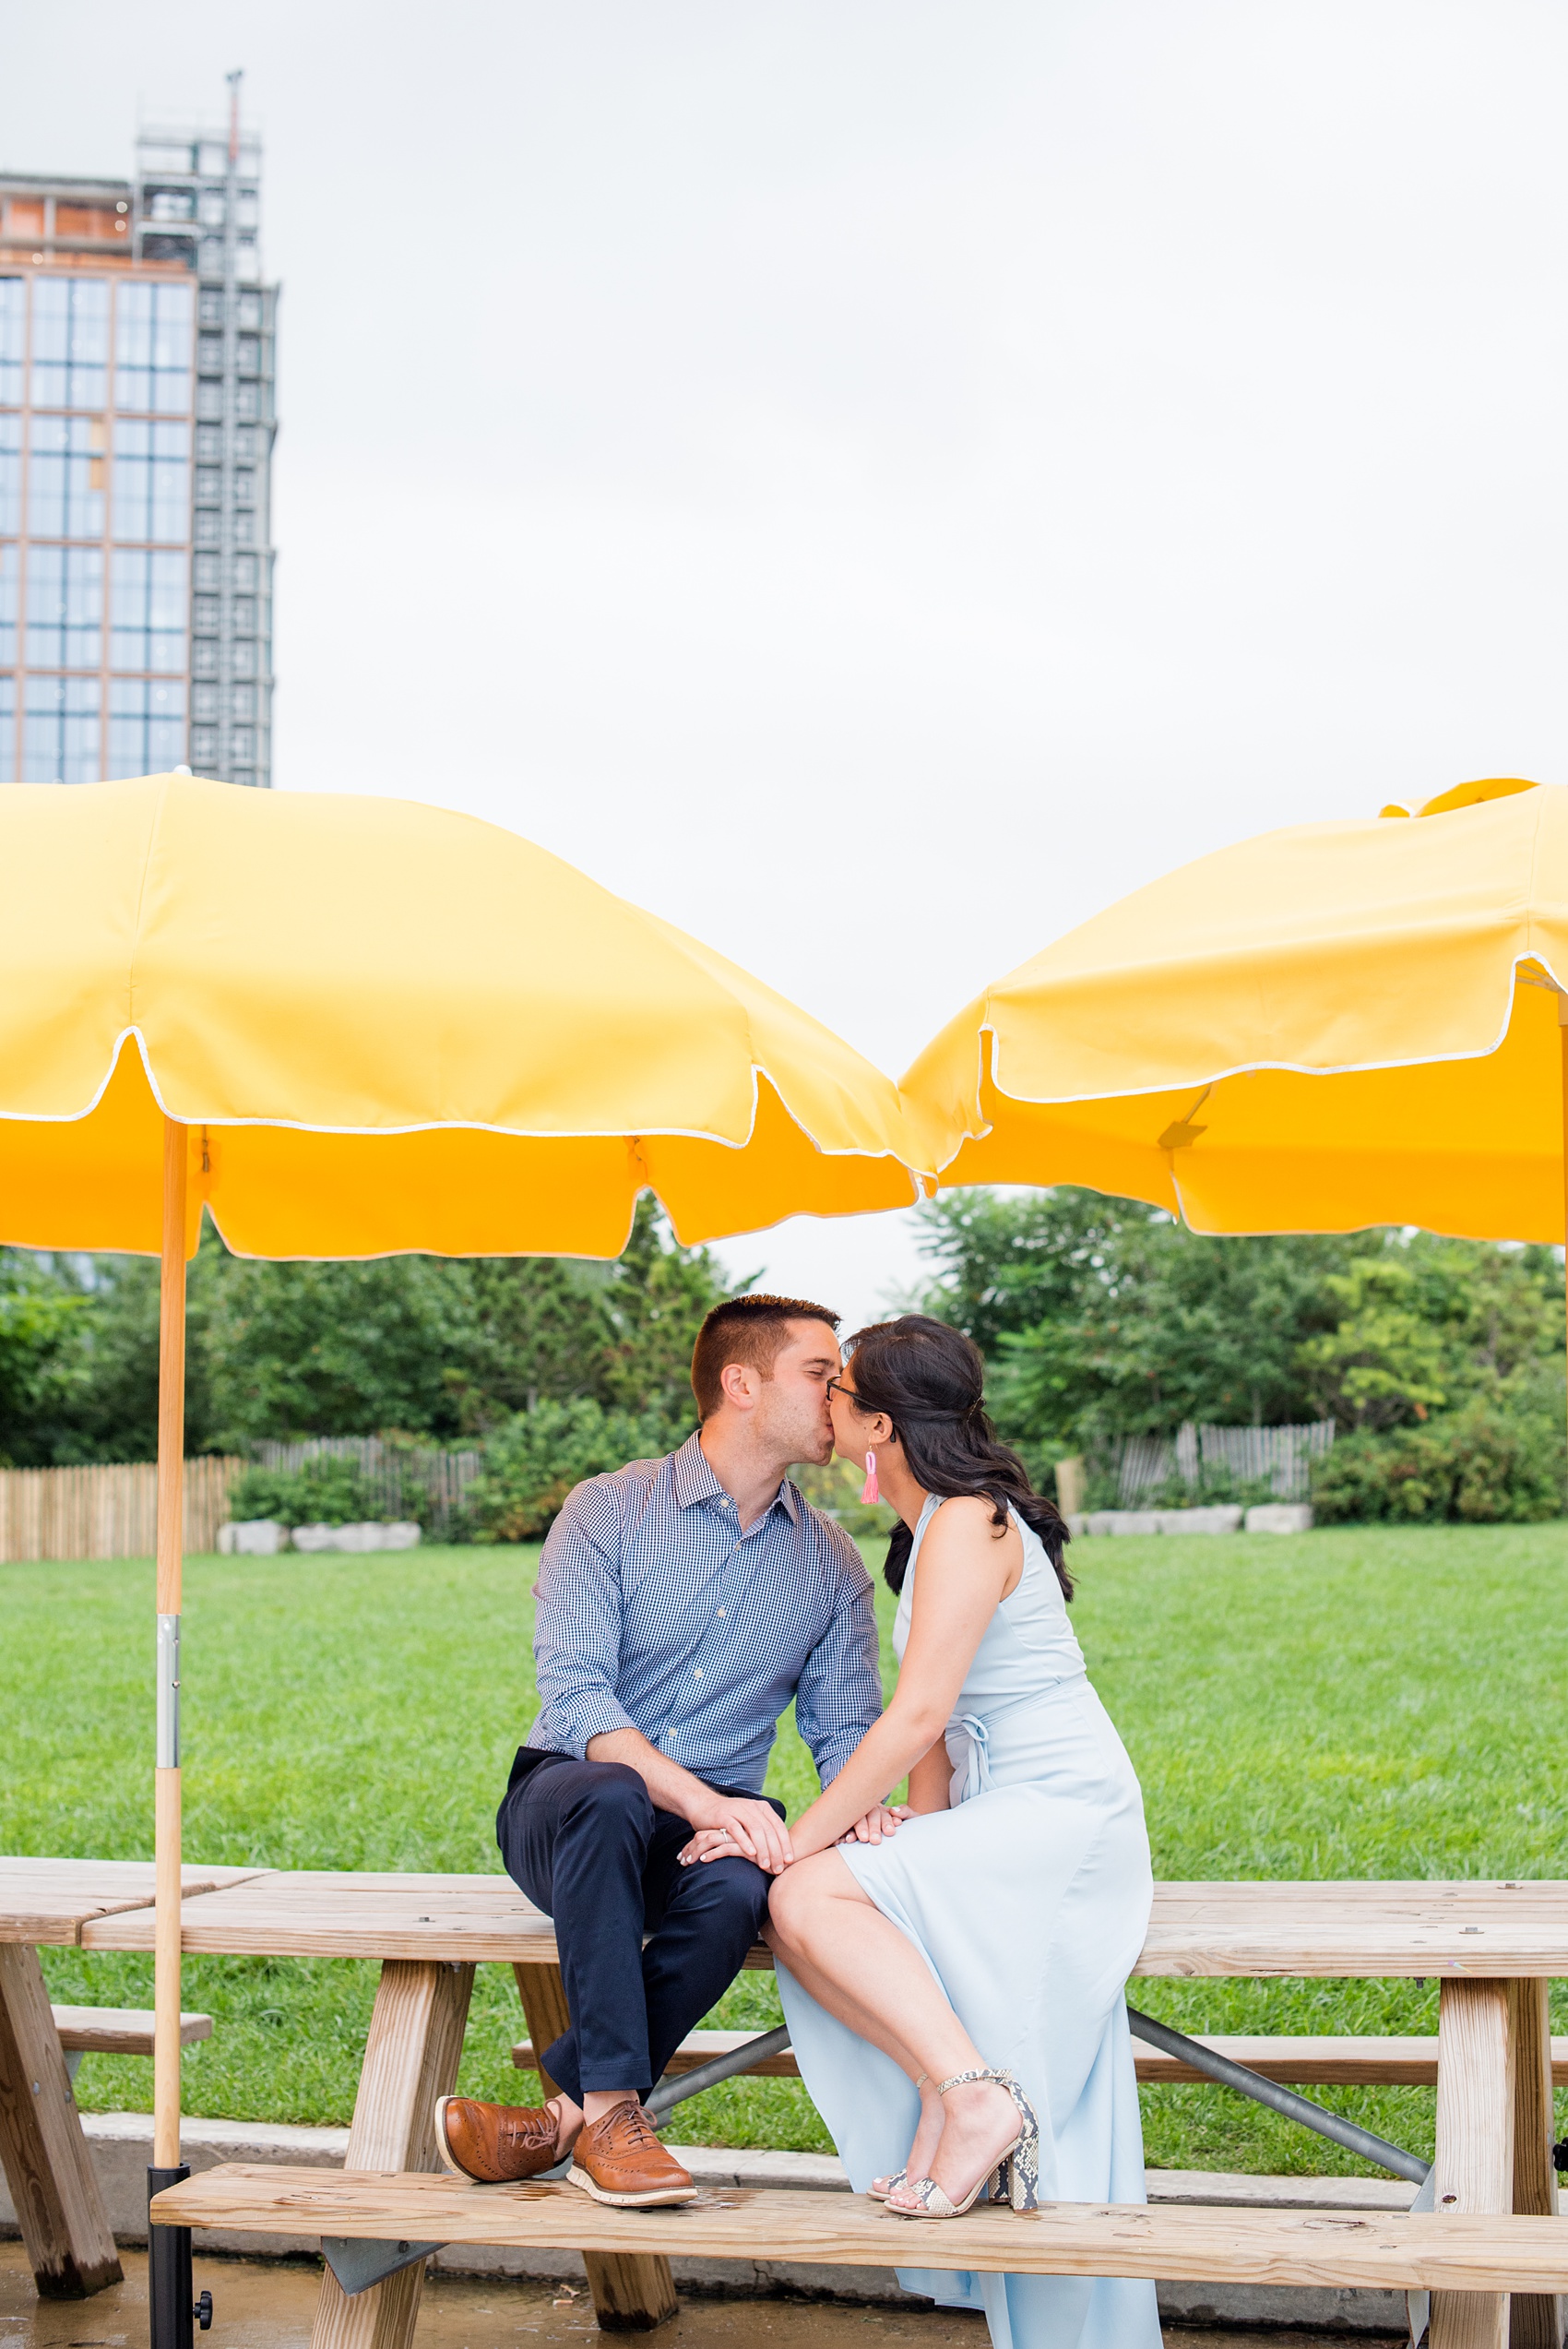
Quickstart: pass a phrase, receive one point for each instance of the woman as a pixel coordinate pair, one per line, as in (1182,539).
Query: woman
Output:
(953,1973)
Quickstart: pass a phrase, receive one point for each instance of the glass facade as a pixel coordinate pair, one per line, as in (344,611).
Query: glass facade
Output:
(152,480)
(64,624)
(148,601)
(70,343)
(65,477)
(13,340)
(136,424)
(199,200)
(60,730)
(97,389)
(147,725)
(152,349)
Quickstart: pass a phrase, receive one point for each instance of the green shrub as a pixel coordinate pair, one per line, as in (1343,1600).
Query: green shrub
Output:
(532,1462)
(326,1491)
(1481,1466)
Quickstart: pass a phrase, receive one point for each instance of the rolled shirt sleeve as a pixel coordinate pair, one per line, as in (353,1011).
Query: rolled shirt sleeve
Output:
(839,1696)
(577,1620)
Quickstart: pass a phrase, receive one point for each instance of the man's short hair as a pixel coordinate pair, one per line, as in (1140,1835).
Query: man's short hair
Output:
(750,1329)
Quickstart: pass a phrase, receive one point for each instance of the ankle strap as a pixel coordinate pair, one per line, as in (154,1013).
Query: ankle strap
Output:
(963,2079)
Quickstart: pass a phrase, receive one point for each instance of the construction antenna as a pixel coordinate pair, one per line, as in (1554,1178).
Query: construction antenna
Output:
(233,81)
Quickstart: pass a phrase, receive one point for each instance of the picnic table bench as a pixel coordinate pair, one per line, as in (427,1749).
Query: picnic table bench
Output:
(1494,2253)
(1316,2061)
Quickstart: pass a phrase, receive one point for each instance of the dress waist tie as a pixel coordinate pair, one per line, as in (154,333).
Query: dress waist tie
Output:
(975,1767)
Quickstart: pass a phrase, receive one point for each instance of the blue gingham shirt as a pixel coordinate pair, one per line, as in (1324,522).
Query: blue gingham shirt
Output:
(657,1613)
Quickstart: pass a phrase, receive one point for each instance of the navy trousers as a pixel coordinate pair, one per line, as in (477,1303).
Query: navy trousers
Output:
(586,1844)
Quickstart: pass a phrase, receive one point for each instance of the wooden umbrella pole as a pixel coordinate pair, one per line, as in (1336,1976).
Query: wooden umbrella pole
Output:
(171,1541)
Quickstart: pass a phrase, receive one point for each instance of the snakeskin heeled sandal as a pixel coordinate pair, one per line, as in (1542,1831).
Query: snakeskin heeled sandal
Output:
(1014,2176)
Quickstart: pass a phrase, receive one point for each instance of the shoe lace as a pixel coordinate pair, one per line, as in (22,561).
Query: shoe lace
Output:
(634,2128)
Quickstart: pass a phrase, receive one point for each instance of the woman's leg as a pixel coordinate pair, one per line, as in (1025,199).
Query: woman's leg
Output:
(824,1923)
(869,2025)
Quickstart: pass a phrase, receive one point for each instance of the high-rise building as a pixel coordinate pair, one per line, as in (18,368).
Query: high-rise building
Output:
(137,422)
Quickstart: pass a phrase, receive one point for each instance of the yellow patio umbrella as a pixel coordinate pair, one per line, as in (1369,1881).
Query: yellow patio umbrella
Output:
(1325,1028)
(347,1026)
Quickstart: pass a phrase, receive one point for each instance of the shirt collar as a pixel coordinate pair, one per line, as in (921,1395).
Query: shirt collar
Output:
(694,1481)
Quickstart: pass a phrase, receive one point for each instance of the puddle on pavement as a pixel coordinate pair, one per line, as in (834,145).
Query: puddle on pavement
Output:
(269,2303)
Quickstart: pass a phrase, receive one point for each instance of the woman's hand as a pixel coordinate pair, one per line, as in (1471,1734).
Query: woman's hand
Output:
(707,1844)
(883,1820)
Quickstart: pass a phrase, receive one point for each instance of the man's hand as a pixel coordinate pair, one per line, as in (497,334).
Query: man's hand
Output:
(881,1821)
(740,1826)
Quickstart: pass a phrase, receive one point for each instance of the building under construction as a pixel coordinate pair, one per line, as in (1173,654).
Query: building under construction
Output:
(137,422)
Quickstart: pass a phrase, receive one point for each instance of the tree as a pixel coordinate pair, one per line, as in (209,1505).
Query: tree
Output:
(440,1348)
(41,1318)
(659,1295)
(333,1348)
(1102,1319)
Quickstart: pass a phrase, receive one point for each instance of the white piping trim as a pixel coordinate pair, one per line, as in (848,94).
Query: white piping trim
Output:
(1257,1067)
(457,1125)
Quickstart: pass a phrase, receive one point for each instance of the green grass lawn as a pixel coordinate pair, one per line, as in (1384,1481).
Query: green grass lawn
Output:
(1344,1703)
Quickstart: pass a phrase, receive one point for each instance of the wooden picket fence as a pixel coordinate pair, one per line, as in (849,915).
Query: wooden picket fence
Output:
(107,1511)
(402,1480)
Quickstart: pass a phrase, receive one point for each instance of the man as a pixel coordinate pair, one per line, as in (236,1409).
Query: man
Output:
(683,1603)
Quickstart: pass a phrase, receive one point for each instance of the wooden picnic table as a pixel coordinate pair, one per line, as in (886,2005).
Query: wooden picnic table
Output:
(1492,1947)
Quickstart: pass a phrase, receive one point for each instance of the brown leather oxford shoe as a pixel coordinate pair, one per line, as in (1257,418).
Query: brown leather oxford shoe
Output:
(495,2143)
(620,2159)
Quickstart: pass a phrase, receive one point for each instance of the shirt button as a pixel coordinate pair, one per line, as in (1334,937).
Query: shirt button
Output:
(697,1672)
(720,1610)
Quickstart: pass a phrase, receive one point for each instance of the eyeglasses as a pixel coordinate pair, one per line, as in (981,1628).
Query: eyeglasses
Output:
(836,1387)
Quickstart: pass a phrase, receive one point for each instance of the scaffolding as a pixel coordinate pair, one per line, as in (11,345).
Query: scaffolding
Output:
(196,201)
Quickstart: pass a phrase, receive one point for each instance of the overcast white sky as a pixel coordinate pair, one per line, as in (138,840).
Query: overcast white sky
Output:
(877,480)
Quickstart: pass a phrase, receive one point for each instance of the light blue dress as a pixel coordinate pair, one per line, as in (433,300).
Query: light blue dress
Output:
(1029,1900)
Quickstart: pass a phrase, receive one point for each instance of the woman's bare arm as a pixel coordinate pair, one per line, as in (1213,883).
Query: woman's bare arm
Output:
(931,1779)
(967,1568)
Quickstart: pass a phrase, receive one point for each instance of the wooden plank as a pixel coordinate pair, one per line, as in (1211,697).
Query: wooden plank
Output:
(119,2031)
(411,2056)
(1358,1929)
(630,2294)
(1328,1930)
(1474,2169)
(1316,2060)
(1175,2243)
(52,1901)
(45,2157)
(545,2011)
(698,2048)
(340,1914)
(1535,2319)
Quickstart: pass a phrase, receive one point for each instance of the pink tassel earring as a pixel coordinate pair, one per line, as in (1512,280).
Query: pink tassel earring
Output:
(869,1490)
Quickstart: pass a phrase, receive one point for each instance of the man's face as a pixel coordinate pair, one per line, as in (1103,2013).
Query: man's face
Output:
(792,1416)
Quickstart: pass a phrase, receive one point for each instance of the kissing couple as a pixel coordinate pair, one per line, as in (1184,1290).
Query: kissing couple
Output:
(951,1967)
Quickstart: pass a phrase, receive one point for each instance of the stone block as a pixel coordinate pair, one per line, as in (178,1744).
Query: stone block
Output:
(1221,1518)
(252,1537)
(1280,1516)
(354,1539)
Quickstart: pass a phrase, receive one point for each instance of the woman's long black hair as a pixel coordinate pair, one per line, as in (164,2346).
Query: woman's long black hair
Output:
(930,1381)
